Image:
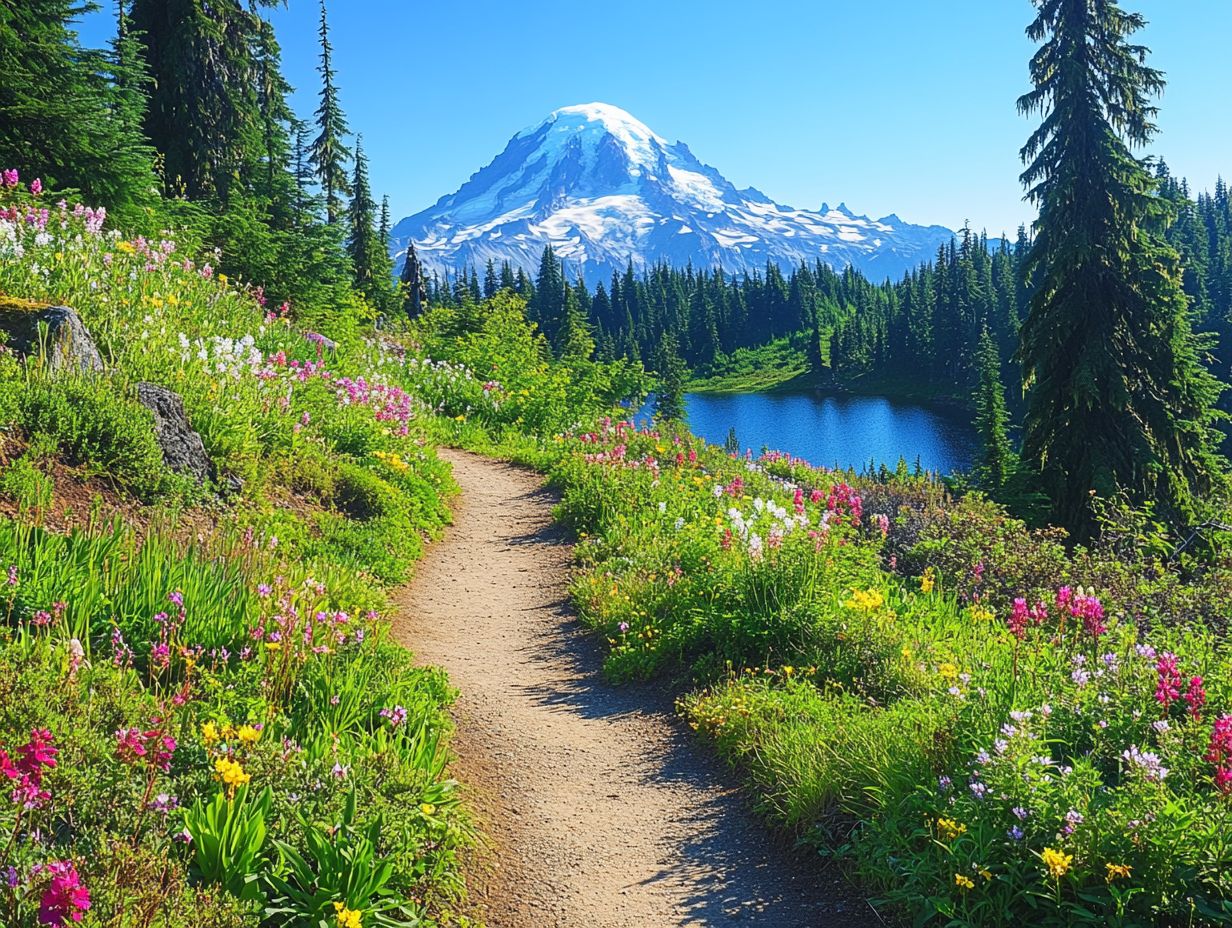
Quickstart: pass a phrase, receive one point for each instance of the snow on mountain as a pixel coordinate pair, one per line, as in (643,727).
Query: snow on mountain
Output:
(603,189)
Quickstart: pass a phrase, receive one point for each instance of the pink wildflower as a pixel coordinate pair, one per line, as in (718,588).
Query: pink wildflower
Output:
(67,899)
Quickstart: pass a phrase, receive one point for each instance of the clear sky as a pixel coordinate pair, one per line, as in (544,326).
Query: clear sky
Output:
(902,106)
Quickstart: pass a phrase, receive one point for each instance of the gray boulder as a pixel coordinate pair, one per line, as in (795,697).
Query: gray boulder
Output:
(183,450)
(70,349)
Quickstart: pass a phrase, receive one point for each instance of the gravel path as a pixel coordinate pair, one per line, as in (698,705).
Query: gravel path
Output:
(599,811)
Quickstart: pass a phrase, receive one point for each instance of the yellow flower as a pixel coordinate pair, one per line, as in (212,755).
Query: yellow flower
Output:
(461,418)
(986,873)
(982,614)
(950,829)
(248,735)
(906,654)
(347,918)
(231,774)
(948,671)
(1057,862)
(788,670)
(928,581)
(209,733)
(222,279)
(427,808)
(1117,872)
(865,600)
(963,882)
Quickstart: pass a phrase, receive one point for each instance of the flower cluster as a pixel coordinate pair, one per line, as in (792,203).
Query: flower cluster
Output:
(66,899)
(26,771)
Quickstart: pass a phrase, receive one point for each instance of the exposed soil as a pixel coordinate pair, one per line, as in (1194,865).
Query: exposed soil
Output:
(600,811)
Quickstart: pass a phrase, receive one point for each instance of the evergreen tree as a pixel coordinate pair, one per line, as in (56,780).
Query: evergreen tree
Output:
(361,244)
(991,418)
(670,373)
(414,286)
(576,341)
(329,153)
(204,115)
(69,115)
(1118,396)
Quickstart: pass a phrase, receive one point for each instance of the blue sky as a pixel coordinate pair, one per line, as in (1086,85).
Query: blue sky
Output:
(902,106)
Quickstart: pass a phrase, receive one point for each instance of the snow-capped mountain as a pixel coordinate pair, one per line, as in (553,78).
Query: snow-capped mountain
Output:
(602,188)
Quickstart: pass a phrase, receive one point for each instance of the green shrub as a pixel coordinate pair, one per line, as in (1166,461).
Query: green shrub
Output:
(26,485)
(96,425)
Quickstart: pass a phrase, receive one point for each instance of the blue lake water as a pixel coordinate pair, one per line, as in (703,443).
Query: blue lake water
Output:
(837,430)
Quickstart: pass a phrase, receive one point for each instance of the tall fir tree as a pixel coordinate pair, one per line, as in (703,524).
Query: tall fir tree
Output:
(70,115)
(204,115)
(329,151)
(991,417)
(361,243)
(1119,399)
(670,377)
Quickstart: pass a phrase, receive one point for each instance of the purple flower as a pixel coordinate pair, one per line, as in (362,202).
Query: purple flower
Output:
(1015,833)
(1020,813)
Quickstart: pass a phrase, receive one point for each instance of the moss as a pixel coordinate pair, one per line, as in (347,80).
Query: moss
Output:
(12,304)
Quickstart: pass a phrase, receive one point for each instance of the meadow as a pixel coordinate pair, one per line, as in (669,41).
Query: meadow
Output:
(204,720)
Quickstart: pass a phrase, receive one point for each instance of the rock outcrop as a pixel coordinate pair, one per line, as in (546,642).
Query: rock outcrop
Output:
(183,450)
(67,345)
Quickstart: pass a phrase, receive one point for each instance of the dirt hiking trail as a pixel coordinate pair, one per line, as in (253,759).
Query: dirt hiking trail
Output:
(599,812)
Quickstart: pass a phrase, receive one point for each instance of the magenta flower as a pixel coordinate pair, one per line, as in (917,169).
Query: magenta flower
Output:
(1219,753)
(67,899)
(1168,689)
(10,177)
(36,186)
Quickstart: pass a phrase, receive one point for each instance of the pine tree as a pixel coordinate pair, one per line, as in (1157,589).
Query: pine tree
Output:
(329,153)
(204,115)
(414,289)
(991,418)
(69,115)
(361,242)
(670,372)
(576,341)
(1118,396)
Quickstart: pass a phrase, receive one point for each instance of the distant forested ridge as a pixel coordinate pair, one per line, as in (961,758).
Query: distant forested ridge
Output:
(919,335)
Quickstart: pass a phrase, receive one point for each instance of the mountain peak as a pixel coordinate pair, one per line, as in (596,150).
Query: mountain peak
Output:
(604,189)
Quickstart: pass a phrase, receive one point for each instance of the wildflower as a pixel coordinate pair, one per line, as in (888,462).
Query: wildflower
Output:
(950,829)
(963,882)
(231,774)
(396,716)
(865,600)
(948,671)
(67,899)
(1146,762)
(1168,687)
(12,575)
(1057,862)
(248,735)
(1195,696)
(427,808)
(1017,620)
(1219,753)
(1116,872)
(9,177)
(928,581)
(347,918)
(36,186)
(1015,833)
(209,734)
